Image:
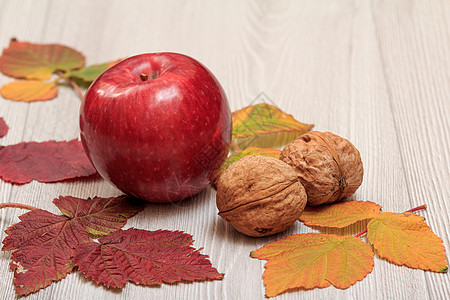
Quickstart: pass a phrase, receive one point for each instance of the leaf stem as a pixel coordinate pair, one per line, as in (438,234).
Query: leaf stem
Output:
(361,233)
(17,205)
(424,206)
(235,146)
(77,88)
(72,83)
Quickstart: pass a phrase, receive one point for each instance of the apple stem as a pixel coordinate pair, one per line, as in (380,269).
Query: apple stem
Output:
(144,77)
(424,206)
(17,205)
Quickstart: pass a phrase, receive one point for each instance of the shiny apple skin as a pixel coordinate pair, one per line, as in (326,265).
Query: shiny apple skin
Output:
(161,140)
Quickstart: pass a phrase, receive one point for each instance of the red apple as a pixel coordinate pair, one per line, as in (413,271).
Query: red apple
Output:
(157,126)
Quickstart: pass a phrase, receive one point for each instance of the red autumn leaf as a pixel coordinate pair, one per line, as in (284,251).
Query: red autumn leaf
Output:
(3,128)
(143,257)
(103,215)
(45,162)
(44,242)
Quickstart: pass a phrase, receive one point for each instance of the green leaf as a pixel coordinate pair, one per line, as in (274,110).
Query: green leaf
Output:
(90,73)
(265,126)
(38,61)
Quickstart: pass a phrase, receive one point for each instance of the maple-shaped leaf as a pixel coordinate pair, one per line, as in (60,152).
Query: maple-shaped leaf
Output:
(44,242)
(249,151)
(29,90)
(341,214)
(265,126)
(314,260)
(45,162)
(3,127)
(405,239)
(100,216)
(90,73)
(38,61)
(143,257)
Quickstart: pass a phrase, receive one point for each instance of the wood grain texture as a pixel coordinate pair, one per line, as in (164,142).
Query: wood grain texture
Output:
(375,72)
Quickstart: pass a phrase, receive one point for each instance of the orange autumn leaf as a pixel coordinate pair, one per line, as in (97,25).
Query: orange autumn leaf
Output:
(29,90)
(341,214)
(314,260)
(265,126)
(405,239)
(38,61)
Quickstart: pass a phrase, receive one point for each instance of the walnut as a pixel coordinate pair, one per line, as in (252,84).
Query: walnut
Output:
(260,195)
(329,166)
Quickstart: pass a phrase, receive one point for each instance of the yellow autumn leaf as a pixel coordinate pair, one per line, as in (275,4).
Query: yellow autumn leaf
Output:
(249,151)
(29,90)
(341,214)
(314,260)
(405,239)
(265,126)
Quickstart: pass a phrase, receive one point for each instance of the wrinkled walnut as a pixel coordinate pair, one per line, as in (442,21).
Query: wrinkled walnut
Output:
(260,195)
(328,166)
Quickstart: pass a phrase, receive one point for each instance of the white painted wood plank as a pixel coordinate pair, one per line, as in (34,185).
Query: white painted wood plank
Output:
(414,41)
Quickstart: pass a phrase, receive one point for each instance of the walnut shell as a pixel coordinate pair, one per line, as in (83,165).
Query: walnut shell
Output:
(260,195)
(329,166)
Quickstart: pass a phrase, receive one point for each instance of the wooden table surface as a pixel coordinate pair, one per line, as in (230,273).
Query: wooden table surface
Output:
(375,72)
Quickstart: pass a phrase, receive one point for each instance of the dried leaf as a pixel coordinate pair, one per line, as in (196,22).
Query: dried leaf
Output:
(341,214)
(45,162)
(143,257)
(43,242)
(103,215)
(3,127)
(265,126)
(38,61)
(90,73)
(405,239)
(249,151)
(314,260)
(29,90)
